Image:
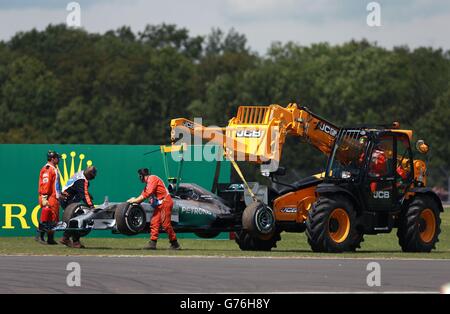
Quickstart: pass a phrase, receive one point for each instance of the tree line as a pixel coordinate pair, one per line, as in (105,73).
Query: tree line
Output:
(64,85)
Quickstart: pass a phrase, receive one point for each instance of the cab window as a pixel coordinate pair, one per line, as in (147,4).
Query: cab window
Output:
(380,164)
(403,166)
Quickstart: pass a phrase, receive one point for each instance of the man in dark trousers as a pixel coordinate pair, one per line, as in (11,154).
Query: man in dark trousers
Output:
(76,191)
(162,203)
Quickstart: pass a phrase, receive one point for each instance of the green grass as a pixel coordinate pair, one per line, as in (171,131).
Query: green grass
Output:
(291,245)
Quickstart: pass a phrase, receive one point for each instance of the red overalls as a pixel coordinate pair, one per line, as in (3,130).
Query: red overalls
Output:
(162,213)
(49,185)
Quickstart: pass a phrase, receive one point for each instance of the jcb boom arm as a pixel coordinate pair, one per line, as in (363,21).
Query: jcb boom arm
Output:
(258,133)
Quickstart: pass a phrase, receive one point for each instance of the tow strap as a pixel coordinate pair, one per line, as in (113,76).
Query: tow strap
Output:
(239,172)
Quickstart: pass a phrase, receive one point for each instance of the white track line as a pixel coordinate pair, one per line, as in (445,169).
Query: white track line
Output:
(235,257)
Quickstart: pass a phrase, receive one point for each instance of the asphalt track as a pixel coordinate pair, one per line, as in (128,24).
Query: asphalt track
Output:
(47,274)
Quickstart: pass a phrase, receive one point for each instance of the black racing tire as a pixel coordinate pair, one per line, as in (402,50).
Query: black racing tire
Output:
(74,210)
(259,221)
(247,242)
(207,234)
(130,219)
(331,225)
(419,225)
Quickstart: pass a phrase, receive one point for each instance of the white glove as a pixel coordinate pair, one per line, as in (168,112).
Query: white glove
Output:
(44,199)
(136,200)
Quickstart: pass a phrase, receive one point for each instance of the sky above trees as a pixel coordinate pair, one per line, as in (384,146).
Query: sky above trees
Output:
(404,22)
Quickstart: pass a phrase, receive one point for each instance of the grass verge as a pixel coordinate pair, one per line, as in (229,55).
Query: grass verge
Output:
(291,245)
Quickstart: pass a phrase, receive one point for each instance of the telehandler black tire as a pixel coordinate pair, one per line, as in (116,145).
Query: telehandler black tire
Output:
(247,242)
(357,240)
(331,225)
(420,225)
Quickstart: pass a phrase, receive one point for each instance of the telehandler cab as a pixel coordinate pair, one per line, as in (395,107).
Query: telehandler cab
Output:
(373,184)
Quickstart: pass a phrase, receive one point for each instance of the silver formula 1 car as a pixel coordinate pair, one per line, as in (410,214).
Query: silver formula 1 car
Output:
(195,210)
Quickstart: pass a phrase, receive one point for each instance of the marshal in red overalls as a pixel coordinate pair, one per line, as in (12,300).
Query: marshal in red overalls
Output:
(49,189)
(163,212)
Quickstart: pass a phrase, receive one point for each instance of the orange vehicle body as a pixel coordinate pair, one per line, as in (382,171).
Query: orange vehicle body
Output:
(257,134)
